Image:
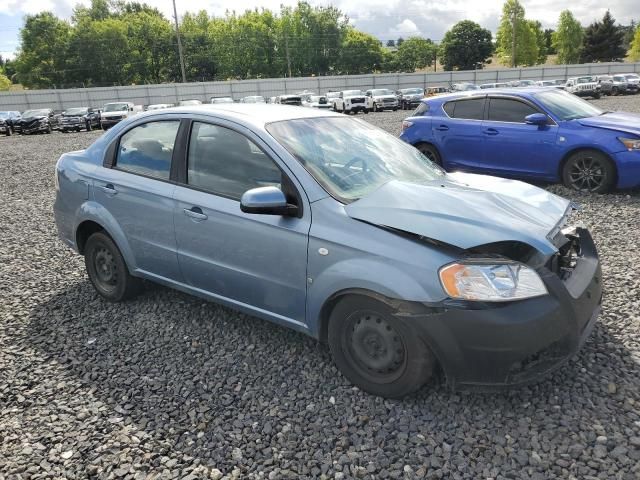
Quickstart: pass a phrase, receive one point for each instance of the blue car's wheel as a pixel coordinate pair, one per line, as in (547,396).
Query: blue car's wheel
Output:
(107,270)
(589,171)
(376,350)
(430,152)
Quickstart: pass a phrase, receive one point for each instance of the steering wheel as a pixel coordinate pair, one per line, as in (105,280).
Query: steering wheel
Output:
(352,162)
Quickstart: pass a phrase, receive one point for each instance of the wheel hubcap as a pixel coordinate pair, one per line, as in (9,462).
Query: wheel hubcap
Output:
(375,345)
(587,174)
(105,267)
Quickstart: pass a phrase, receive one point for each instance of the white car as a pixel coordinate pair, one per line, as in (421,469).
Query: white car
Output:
(315,101)
(379,99)
(159,106)
(586,86)
(221,100)
(332,97)
(351,101)
(114,112)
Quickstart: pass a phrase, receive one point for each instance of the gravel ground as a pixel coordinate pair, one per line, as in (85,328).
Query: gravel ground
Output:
(169,386)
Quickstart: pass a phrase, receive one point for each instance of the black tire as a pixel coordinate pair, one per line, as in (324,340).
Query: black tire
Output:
(366,110)
(89,126)
(375,107)
(597,95)
(377,350)
(395,109)
(49,129)
(430,152)
(589,171)
(107,269)
(102,126)
(8,133)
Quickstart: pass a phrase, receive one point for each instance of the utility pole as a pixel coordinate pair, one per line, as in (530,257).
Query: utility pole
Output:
(514,19)
(286,47)
(175,16)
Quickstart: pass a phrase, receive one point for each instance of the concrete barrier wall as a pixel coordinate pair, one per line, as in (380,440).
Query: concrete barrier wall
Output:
(172,93)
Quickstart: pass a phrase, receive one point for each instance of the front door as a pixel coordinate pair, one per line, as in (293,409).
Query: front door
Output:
(253,261)
(515,147)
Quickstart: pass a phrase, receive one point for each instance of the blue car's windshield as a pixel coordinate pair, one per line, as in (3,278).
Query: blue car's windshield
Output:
(566,106)
(351,158)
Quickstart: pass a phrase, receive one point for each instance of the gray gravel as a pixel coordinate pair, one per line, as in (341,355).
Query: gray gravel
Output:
(168,386)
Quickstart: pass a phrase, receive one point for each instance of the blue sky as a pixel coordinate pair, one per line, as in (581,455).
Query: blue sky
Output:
(383,18)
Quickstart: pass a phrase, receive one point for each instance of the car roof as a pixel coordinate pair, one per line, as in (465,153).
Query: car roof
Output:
(516,91)
(258,114)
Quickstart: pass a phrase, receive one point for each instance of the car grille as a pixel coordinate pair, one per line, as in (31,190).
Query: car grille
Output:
(357,100)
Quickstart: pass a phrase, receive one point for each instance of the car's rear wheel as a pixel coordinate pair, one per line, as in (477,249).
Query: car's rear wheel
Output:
(49,129)
(589,171)
(376,350)
(430,152)
(107,269)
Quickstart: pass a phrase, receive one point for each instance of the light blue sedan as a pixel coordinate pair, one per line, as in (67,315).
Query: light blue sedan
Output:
(335,228)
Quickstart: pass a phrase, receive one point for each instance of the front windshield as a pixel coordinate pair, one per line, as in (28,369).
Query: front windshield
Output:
(4,115)
(116,107)
(411,91)
(566,106)
(351,158)
(585,80)
(381,91)
(36,113)
(76,111)
(348,93)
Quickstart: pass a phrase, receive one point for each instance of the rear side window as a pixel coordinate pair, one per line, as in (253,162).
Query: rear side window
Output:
(148,148)
(225,162)
(508,110)
(421,110)
(472,109)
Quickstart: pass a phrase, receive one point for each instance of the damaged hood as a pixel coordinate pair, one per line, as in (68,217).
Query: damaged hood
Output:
(466,210)
(620,121)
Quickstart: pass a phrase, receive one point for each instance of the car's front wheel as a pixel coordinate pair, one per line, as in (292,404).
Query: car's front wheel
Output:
(377,350)
(107,269)
(589,171)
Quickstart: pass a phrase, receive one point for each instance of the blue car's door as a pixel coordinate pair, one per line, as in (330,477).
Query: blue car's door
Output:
(136,191)
(514,147)
(253,261)
(458,134)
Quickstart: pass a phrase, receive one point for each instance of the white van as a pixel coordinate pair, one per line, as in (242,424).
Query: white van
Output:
(115,112)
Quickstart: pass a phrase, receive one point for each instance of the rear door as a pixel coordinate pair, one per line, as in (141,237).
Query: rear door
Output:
(137,191)
(514,147)
(458,133)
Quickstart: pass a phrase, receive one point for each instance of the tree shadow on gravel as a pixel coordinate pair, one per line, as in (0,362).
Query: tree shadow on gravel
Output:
(203,380)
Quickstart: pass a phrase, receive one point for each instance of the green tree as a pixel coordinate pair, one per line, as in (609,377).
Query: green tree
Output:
(465,45)
(399,41)
(628,31)
(5,83)
(634,50)
(548,41)
(603,41)
(526,42)
(415,53)
(541,42)
(41,59)
(567,40)
(360,53)
(391,43)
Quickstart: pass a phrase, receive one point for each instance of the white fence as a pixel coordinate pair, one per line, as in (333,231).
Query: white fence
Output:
(172,93)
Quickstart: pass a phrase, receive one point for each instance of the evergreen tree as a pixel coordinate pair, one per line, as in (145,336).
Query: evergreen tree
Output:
(603,41)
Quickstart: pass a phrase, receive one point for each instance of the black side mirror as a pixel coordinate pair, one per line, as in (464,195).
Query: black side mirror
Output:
(267,201)
(539,119)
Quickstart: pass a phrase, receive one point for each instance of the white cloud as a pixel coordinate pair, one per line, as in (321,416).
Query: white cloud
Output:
(385,19)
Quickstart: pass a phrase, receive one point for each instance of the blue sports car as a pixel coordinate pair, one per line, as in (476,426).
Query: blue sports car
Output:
(536,133)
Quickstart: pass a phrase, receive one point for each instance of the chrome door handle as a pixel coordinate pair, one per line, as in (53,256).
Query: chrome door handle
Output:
(109,189)
(490,131)
(442,128)
(195,213)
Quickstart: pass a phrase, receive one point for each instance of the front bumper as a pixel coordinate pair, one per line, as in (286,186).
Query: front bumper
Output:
(628,167)
(73,125)
(40,127)
(386,105)
(110,122)
(498,345)
(355,107)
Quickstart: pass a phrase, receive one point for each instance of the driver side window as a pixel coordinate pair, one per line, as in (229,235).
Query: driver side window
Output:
(225,162)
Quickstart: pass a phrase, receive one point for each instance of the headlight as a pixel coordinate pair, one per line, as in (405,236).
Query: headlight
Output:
(630,143)
(491,282)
